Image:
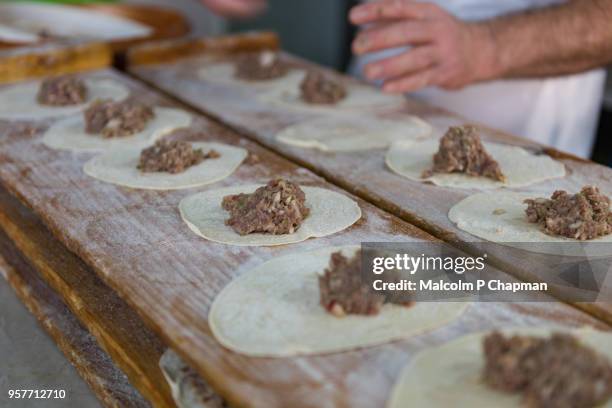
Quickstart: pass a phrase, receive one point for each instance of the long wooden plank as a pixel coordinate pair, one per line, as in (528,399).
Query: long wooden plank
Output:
(22,63)
(135,241)
(109,383)
(365,173)
(116,327)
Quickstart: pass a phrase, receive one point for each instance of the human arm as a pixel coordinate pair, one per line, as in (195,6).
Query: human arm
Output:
(446,52)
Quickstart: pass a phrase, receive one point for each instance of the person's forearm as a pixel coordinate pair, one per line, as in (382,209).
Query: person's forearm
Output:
(557,40)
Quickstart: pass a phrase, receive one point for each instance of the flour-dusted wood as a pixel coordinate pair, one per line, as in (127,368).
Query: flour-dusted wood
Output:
(136,242)
(78,345)
(365,173)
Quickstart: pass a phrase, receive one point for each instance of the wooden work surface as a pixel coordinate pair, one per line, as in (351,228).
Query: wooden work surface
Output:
(109,384)
(135,241)
(365,173)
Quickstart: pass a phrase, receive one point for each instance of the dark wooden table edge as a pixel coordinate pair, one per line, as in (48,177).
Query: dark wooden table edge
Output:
(38,297)
(15,226)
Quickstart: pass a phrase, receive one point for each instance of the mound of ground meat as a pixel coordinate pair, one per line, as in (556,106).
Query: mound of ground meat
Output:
(277,208)
(550,372)
(344,290)
(172,157)
(461,151)
(260,66)
(318,89)
(62,91)
(583,216)
(117,119)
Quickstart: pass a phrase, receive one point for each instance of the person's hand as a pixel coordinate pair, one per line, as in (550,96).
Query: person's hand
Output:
(236,8)
(445,51)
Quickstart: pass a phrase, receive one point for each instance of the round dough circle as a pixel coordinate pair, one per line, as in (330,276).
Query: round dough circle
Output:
(18,102)
(223,73)
(120,167)
(274,311)
(520,167)
(449,375)
(359,97)
(353,133)
(475,215)
(330,212)
(69,133)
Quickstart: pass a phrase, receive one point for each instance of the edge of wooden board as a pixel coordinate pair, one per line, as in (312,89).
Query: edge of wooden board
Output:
(26,63)
(169,50)
(120,332)
(108,383)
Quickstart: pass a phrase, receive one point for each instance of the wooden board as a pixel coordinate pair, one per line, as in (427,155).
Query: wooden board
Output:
(52,59)
(365,173)
(109,383)
(136,242)
(172,50)
(116,327)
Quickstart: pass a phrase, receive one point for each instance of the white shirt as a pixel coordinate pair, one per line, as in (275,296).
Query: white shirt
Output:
(559,111)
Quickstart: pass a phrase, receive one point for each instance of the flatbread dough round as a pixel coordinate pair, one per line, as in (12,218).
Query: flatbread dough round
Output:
(330,212)
(18,102)
(520,167)
(500,217)
(69,133)
(287,94)
(450,375)
(345,133)
(285,91)
(223,73)
(120,167)
(274,311)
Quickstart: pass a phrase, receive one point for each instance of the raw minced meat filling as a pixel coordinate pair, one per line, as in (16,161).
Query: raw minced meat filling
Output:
(172,157)
(277,208)
(62,91)
(556,372)
(581,216)
(461,151)
(117,119)
(260,66)
(318,89)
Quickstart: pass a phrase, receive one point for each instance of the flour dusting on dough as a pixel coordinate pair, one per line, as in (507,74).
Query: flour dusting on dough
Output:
(274,310)
(119,167)
(345,133)
(520,167)
(69,133)
(18,102)
(330,212)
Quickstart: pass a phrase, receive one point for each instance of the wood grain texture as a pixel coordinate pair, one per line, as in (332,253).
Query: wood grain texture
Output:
(136,242)
(22,63)
(116,327)
(365,173)
(109,383)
